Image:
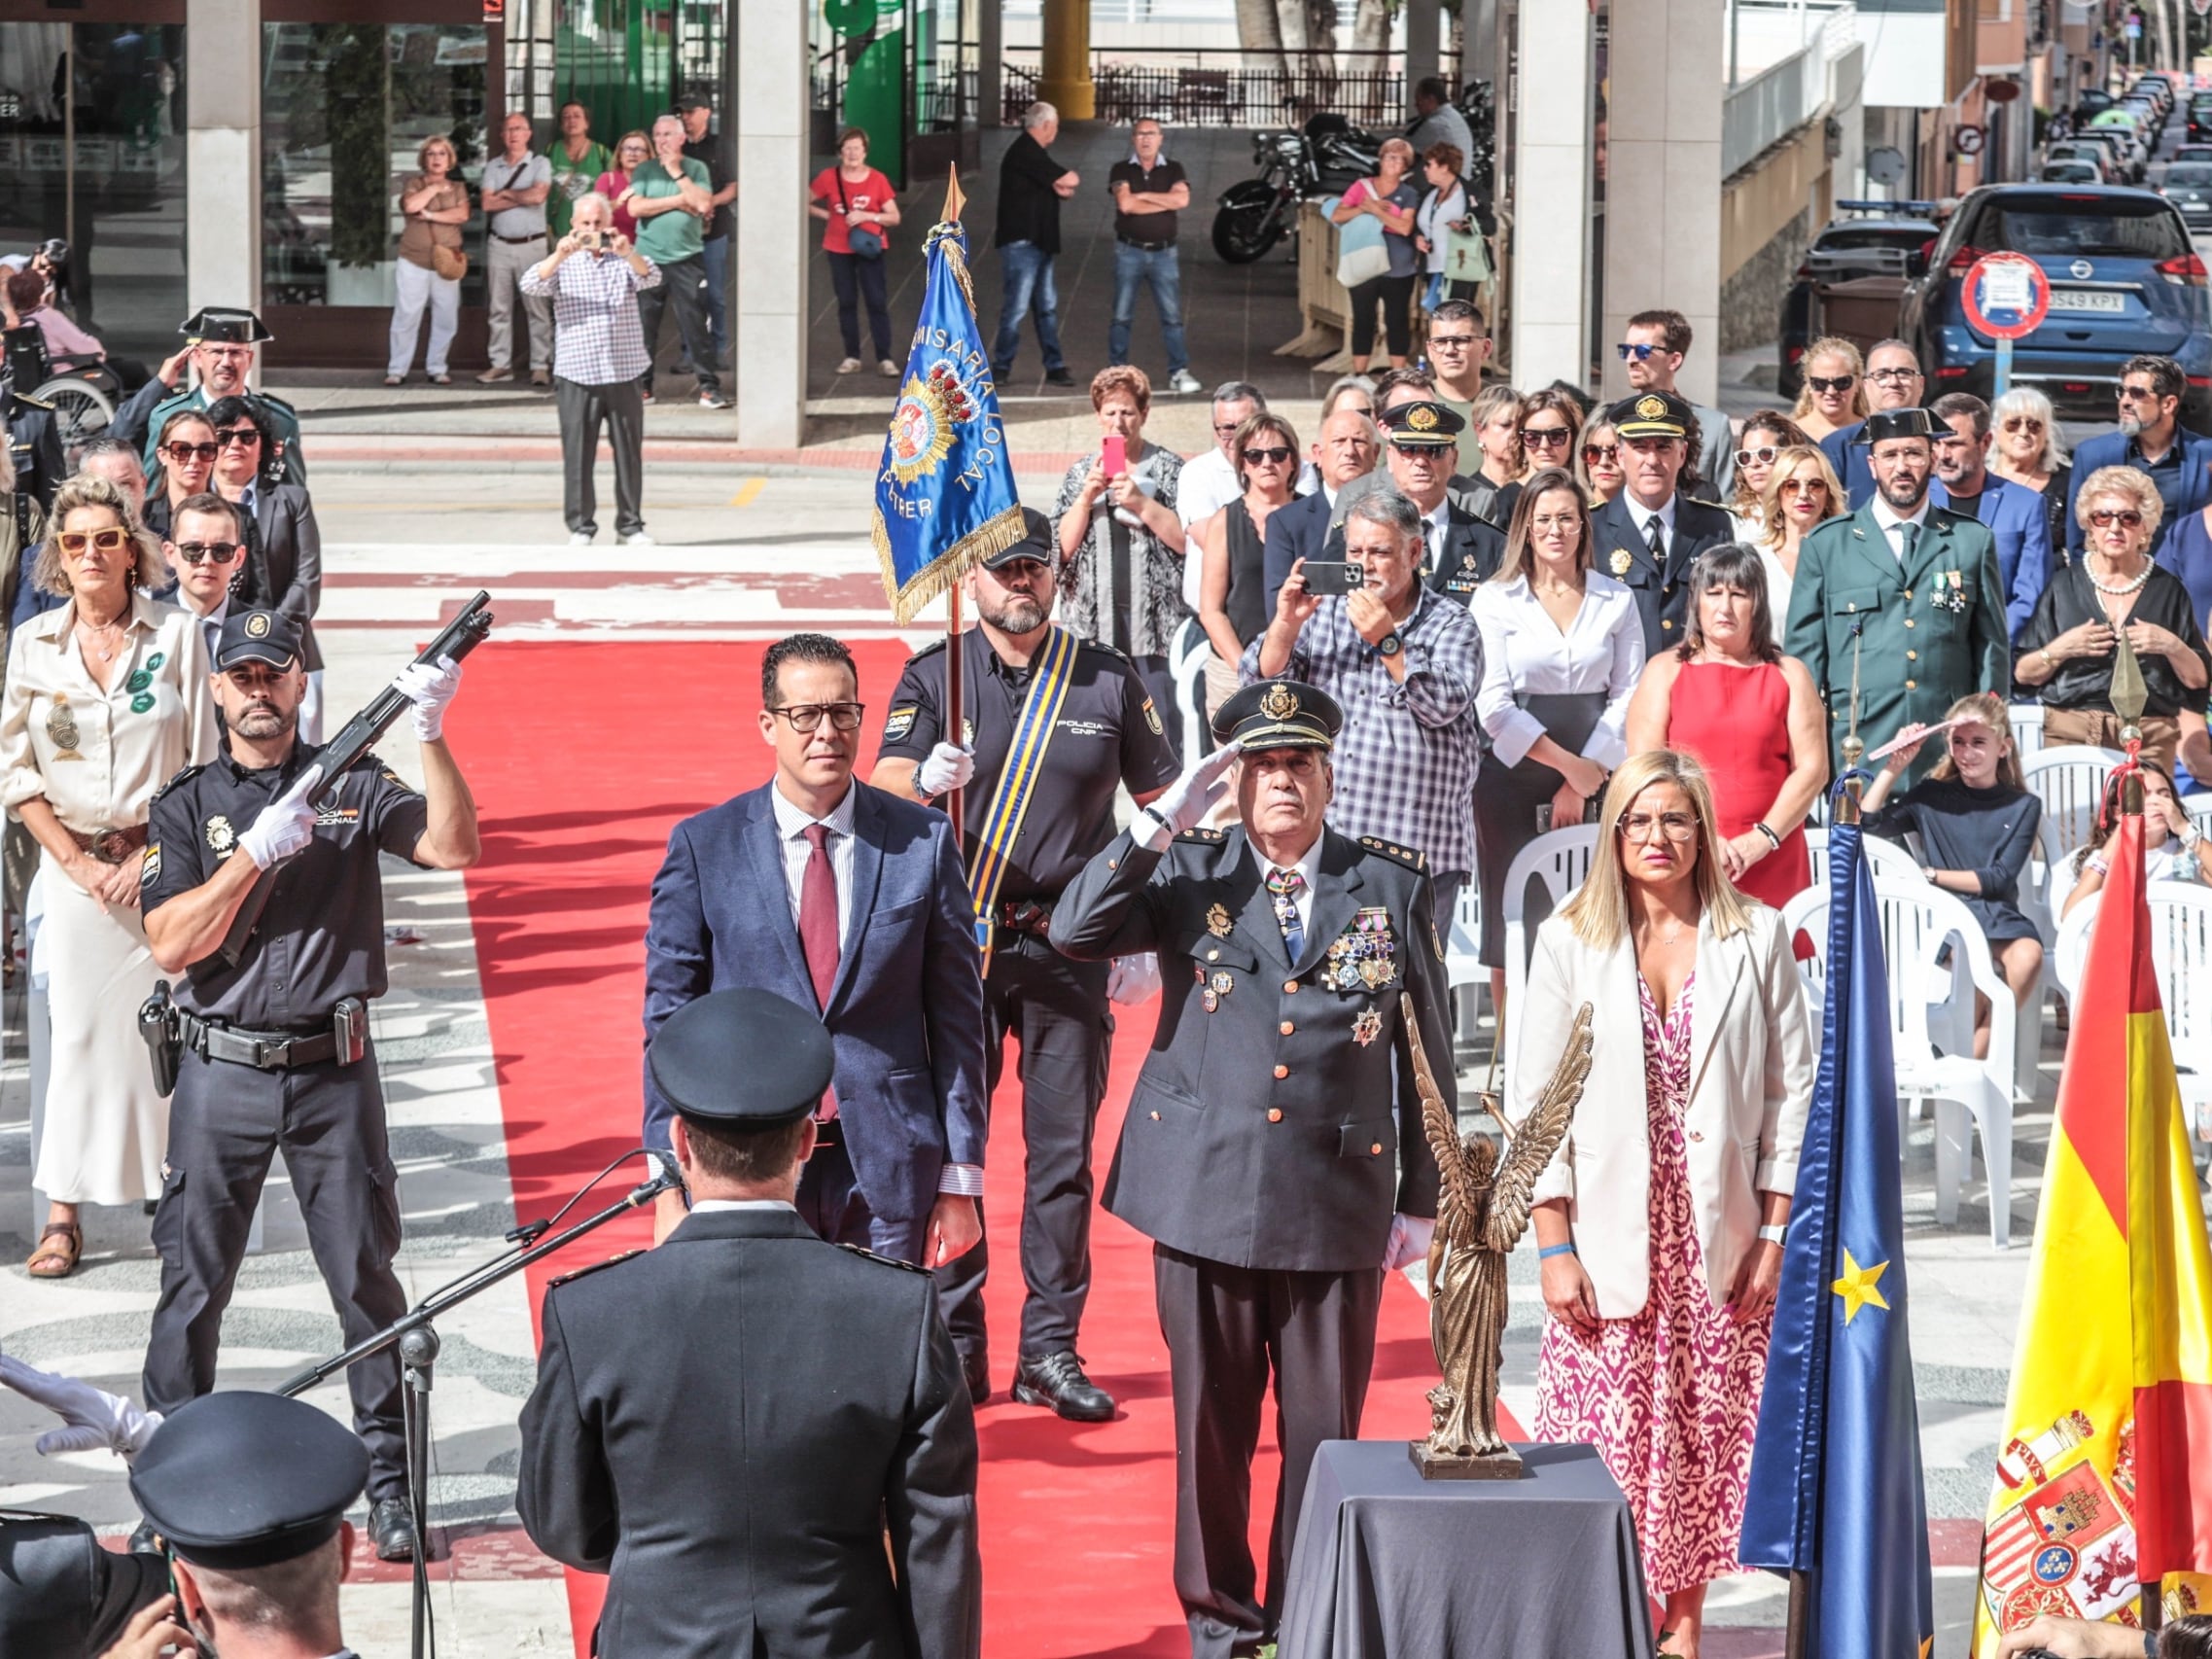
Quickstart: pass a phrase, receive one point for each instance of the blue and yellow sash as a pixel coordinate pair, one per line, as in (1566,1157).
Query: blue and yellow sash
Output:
(1049,674)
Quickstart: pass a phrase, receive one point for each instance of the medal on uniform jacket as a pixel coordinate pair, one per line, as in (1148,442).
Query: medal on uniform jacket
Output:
(1364,956)
(1367,1027)
(1217,922)
(1623,561)
(1222,984)
(61,729)
(1210,1001)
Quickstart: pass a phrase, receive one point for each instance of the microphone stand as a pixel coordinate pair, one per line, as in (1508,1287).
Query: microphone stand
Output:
(416,1338)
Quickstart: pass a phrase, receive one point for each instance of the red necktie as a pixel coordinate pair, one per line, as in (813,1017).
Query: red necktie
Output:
(818,926)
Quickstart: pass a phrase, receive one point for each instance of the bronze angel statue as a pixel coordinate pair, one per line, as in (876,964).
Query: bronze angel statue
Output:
(1482,1212)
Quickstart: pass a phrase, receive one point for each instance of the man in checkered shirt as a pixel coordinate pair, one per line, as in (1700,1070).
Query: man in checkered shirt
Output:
(1404,664)
(599,353)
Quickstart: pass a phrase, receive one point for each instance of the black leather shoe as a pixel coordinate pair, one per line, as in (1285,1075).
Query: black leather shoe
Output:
(978,1382)
(1059,378)
(392,1530)
(1057,1380)
(143,1540)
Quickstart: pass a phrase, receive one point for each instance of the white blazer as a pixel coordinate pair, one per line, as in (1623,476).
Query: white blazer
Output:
(1750,1084)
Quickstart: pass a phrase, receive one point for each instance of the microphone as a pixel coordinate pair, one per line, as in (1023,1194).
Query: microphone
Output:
(666,1178)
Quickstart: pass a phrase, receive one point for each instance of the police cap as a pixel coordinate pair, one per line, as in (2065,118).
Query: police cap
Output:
(1036,542)
(1422,422)
(256,636)
(1280,714)
(224,325)
(1894,423)
(1652,414)
(742,1060)
(242,1479)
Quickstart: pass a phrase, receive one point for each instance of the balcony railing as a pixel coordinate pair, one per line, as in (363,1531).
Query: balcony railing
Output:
(1201,87)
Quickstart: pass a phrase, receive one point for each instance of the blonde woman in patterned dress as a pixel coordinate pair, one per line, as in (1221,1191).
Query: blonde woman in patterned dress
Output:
(1659,1223)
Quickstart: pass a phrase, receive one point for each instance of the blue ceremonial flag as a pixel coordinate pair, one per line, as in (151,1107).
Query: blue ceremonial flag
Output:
(945,491)
(1836,1489)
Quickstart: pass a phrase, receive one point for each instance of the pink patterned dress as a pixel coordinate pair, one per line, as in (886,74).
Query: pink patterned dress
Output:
(1670,1398)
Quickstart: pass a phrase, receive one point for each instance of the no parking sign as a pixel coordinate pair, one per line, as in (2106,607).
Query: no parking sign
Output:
(2007,297)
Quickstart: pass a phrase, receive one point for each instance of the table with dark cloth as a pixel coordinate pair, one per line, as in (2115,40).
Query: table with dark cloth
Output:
(1390,1563)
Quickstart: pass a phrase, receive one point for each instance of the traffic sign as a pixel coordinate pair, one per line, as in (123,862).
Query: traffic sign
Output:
(2007,296)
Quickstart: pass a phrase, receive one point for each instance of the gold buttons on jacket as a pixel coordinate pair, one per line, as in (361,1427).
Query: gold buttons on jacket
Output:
(1286,1028)
(1912,685)
(1213,956)
(1283,1071)
(1912,656)
(1907,621)
(1376,1149)
(1290,987)
(1908,593)
(1275,1114)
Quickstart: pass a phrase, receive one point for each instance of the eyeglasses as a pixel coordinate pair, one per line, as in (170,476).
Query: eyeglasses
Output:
(1643,826)
(2023,423)
(806,717)
(74,543)
(192,451)
(1544,436)
(1601,454)
(1451,342)
(1763,456)
(2105,517)
(1831,382)
(2138,395)
(245,436)
(1802,486)
(1278,453)
(1893,376)
(1639,352)
(195,552)
(227,351)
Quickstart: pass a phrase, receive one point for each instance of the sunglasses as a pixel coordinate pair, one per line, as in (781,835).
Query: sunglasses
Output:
(2105,517)
(1422,451)
(244,435)
(1546,436)
(1639,352)
(76,543)
(192,451)
(2138,395)
(1802,486)
(1831,383)
(1601,454)
(806,717)
(1763,456)
(196,553)
(1278,453)
(2023,423)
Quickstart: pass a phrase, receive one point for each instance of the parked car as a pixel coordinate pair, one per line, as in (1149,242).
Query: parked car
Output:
(2201,116)
(2090,103)
(2124,278)
(2188,185)
(2121,149)
(2191,153)
(1872,239)
(2073,170)
(2098,156)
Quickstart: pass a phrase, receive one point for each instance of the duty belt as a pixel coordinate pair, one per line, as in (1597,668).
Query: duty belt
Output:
(1144,247)
(1025,916)
(111,846)
(266,1050)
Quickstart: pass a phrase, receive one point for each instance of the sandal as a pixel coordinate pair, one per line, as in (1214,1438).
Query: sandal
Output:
(56,1261)
(442,379)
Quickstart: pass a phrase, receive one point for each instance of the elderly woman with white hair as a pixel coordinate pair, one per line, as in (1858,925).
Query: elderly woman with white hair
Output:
(2026,447)
(106,698)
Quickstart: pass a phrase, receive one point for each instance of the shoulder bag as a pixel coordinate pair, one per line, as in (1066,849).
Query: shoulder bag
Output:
(1362,254)
(862,241)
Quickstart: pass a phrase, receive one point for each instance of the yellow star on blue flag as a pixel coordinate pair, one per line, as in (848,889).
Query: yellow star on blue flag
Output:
(1857,1287)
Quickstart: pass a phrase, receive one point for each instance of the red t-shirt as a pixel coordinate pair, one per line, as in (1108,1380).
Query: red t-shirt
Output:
(870,195)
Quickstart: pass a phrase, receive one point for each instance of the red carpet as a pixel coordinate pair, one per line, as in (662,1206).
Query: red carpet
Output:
(582,754)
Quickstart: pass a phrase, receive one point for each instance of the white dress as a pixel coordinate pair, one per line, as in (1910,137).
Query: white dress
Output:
(96,758)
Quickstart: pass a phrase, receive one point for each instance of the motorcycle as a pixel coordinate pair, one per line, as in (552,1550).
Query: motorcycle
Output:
(1321,160)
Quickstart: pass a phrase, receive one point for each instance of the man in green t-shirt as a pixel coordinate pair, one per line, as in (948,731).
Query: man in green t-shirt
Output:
(670,200)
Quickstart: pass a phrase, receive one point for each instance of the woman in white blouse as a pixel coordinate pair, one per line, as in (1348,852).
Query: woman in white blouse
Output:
(106,698)
(1562,650)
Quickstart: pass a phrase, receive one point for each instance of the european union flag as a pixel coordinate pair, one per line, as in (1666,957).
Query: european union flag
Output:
(1836,1489)
(945,491)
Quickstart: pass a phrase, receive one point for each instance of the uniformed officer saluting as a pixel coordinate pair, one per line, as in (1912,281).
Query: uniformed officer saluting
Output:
(219,345)
(1273,1147)
(1075,716)
(732,1422)
(275,1047)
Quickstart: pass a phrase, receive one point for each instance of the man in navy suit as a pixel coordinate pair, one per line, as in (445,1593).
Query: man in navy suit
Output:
(1894,382)
(2014,513)
(2152,438)
(838,897)
(1347,451)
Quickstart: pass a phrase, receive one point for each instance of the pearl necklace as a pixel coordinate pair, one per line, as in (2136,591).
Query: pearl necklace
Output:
(2120,589)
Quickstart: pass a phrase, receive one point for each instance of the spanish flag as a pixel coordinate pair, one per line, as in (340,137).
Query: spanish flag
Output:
(2104,1477)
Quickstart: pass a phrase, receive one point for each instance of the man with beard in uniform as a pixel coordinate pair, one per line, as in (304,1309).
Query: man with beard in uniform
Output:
(1053,726)
(1273,1147)
(219,344)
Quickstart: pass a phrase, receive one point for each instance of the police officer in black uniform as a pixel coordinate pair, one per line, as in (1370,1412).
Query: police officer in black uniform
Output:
(1105,734)
(1273,1147)
(275,1051)
(1650,533)
(732,1422)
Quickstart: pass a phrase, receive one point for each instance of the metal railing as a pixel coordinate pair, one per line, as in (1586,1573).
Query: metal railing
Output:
(1770,106)
(1203,87)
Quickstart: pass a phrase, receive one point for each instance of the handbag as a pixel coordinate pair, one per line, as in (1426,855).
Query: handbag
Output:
(862,241)
(1362,254)
(451,264)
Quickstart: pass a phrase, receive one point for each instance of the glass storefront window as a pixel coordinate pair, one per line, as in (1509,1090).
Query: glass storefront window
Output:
(93,150)
(344,109)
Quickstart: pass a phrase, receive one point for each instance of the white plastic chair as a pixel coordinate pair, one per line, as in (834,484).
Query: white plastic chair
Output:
(1886,858)
(1562,858)
(2181,957)
(2027,729)
(1916,920)
(1464,972)
(2069,780)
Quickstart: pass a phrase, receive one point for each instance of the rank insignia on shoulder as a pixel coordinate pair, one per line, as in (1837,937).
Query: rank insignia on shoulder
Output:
(887,1261)
(1406,856)
(1204,836)
(595,1267)
(900,722)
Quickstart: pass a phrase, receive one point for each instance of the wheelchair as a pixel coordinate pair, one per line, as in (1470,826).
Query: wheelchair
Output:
(83,398)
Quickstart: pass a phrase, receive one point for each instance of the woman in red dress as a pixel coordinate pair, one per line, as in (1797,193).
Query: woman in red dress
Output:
(1728,695)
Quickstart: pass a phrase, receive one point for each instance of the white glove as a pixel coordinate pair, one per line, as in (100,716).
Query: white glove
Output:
(944,769)
(430,689)
(1133,979)
(1191,796)
(1408,1242)
(286,825)
(97,1420)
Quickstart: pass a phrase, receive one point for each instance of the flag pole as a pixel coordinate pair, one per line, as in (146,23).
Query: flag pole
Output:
(956,710)
(1796,1637)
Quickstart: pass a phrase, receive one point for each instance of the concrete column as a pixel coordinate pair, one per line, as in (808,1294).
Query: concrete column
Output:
(1478,42)
(768,306)
(1551,194)
(1425,47)
(990,62)
(1663,220)
(1066,79)
(223,154)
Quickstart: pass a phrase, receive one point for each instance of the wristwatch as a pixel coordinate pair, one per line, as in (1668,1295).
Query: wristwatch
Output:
(1389,645)
(1774,1235)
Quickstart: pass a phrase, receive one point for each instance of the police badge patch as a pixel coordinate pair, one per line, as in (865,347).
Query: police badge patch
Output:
(221,836)
(1623,561)
(1152,719)
(150,865)
(900,722)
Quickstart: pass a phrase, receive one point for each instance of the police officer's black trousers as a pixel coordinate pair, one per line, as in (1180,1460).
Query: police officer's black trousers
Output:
(1057,1010)
(225,1122)
(1226,1328)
